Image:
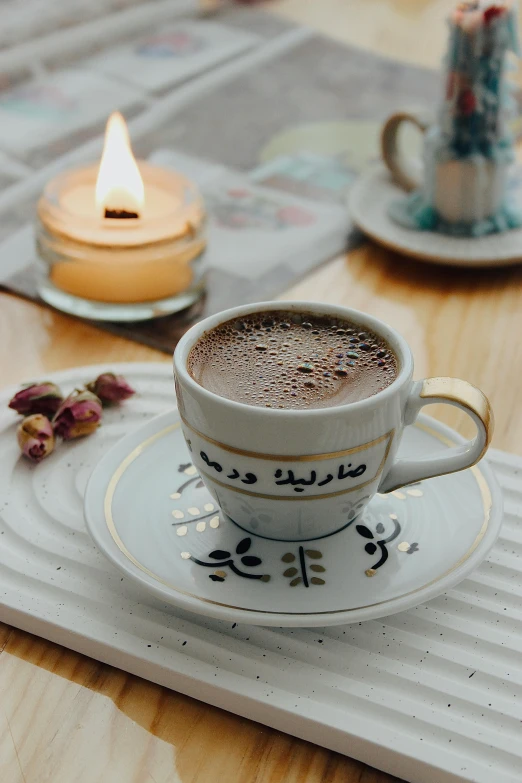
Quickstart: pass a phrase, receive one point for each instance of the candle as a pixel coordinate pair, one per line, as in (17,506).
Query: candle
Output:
(473,114)
(468,152)
(122,240)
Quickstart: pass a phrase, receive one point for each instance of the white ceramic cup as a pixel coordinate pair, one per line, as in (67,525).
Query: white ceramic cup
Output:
(461,191)
(297,475)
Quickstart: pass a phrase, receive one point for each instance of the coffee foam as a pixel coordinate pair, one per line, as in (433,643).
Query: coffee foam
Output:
(281,359)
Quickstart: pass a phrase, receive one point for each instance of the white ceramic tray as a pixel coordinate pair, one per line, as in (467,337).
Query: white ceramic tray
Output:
(431,695)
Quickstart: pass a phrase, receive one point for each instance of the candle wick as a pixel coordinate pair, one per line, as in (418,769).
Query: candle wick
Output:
(120,214)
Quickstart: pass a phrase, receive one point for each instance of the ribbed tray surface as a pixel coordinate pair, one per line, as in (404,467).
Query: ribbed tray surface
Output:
(431,695)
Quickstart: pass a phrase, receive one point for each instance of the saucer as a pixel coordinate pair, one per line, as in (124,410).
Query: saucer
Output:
(150,514)
(369,200)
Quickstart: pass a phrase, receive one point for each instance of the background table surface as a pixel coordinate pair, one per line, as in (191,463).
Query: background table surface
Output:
(65,717)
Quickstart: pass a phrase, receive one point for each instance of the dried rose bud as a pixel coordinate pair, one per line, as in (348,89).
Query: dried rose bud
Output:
(35,437)
(79,414)
(110,388)
(43,398)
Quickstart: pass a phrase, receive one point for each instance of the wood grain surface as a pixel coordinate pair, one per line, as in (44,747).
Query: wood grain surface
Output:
(65,718)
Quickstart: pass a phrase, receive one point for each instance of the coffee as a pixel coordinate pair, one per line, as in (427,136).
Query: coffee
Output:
(280,359)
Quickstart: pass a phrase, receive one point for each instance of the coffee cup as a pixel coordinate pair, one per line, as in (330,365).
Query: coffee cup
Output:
(302,474)
(462,191)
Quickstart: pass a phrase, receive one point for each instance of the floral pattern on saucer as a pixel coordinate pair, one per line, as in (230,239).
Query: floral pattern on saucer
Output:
(150,513)
(298,569)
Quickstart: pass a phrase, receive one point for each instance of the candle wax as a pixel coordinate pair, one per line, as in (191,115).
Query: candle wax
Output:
(172,206)
(160,204)
(124,281)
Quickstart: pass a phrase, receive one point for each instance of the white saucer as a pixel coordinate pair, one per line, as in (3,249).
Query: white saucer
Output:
(150,514)
(368,203)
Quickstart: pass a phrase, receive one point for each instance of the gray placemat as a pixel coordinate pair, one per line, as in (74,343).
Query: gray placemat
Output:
(289,94)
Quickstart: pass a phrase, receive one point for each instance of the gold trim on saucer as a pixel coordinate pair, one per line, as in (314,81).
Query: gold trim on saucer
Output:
(289,457)
(138,450)
(485,494)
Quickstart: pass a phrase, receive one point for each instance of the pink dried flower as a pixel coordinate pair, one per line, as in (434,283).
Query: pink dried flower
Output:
(79,414)
(110,388)
(35,437)
(42,397)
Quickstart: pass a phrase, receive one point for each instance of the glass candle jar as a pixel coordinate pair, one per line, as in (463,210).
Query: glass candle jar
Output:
(116,268)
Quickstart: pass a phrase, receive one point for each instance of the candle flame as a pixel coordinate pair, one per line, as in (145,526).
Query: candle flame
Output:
(119,185)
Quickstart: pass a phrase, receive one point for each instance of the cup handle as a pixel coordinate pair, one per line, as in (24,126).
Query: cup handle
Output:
(402,167)
(454,392)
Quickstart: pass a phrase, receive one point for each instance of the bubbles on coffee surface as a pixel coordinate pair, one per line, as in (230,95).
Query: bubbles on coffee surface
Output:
(292,360)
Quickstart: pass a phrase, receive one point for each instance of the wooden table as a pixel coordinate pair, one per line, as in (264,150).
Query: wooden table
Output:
(65,717)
